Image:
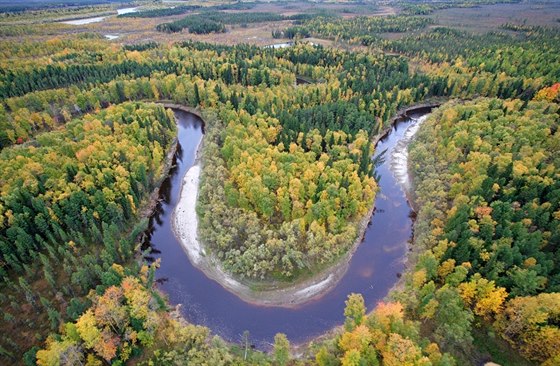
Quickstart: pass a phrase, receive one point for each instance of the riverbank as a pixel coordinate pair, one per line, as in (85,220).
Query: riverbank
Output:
(407,187)
(185,227)
(398,163)
(148,208)
(398,160)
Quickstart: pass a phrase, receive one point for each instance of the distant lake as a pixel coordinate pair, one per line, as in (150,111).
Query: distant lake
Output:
(127,10)
(83,21)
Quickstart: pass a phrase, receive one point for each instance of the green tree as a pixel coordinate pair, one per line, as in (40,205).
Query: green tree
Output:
(281,349)
(354,311)
(453,320)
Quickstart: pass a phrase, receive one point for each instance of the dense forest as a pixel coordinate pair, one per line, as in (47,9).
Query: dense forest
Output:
(363,28)
(486,175)
(328,136)
(424,8)
(287,180)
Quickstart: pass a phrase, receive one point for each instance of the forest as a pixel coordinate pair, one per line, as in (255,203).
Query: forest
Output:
(287,180)
(363,28)
(215,21)
(487,226)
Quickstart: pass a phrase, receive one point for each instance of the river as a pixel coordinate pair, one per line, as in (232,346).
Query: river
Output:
(373,270)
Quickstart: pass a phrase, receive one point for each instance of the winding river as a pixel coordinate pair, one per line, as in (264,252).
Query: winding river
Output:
(373,271)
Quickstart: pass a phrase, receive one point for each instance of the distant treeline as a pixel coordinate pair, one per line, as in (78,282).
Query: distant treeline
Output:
(18,83)
(7,6)
(140,46)
(292,32)
(209,22)
(428,8)
(360,28)
(164,12)
(195,24)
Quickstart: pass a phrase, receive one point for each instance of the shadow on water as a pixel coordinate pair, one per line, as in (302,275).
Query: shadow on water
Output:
(374,269)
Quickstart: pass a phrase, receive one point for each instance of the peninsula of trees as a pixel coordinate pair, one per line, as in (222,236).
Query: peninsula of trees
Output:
(287,178)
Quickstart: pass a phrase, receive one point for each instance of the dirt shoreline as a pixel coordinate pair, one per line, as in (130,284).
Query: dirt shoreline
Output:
(148,208)
(289,296)
(184,217)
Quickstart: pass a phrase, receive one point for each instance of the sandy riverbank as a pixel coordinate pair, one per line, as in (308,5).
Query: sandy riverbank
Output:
(398,165)
(398,162)
(185,221)
(185,226)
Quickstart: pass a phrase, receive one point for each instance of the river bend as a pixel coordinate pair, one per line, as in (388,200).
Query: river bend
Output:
(373,271)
